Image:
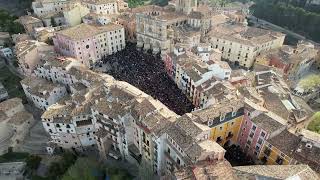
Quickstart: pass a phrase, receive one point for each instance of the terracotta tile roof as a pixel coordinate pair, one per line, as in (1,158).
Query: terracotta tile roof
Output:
(285,142)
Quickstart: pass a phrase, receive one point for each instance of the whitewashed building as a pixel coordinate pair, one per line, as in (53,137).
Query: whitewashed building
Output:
(41,92)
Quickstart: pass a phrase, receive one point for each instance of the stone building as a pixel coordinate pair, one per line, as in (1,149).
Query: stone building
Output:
(41,92)
(30,23)
(124,122)
(28,54)
(43,8)
(153,30)
(241,45)
(292,61)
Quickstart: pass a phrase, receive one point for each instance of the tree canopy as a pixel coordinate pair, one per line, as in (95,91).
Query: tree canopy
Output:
(310,82)
(8,24)
(314,125)
(287,14)
(85,169)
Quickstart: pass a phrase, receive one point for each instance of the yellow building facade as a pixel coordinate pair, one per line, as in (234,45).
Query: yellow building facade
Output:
(227,132)
(273,156)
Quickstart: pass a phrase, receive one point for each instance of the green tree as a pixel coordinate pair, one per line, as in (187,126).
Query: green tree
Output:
(55,170)
(33,162)
(310,82)
(117,174)
(85,169)
(314,125)
(290,15)
(8,24)
(145,170)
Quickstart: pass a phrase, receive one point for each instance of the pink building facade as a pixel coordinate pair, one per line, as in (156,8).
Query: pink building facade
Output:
(83,49)
(251,136)
(168,64)
(88,44)
(257,126)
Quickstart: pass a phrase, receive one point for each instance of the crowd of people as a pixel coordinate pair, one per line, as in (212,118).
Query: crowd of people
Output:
(146,72)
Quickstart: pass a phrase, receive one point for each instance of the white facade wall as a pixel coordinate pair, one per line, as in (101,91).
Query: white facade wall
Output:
(108,8)
(44,102)
(45,8)
(56,75)
(111,42)
(219,72)
(70,135)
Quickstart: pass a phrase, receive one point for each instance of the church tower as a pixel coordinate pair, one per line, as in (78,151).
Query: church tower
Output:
(186,6)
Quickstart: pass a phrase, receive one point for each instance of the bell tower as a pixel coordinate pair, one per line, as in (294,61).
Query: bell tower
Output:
(186,6)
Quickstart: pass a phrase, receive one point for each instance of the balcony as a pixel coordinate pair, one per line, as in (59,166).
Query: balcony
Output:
(230,136)
(279,161)
(267,152)
(219,140)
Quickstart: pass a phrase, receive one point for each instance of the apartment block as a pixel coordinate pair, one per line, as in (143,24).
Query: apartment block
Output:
(70,123)
(241,44)
(41,92)
(29,53)
(89,43)
(224,120)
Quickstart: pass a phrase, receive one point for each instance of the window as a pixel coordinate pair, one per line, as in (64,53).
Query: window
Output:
(248,142)
(178,161)
(251,134)
(262,134)
(254,127)
(219,139)
(260,141)
(87,46)
(168,151)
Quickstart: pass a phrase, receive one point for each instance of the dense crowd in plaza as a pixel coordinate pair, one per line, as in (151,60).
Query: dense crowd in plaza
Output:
(146,72)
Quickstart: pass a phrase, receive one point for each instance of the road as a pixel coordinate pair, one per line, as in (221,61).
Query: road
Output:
(268,25)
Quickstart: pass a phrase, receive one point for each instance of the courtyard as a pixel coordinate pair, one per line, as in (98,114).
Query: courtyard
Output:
(146,72)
